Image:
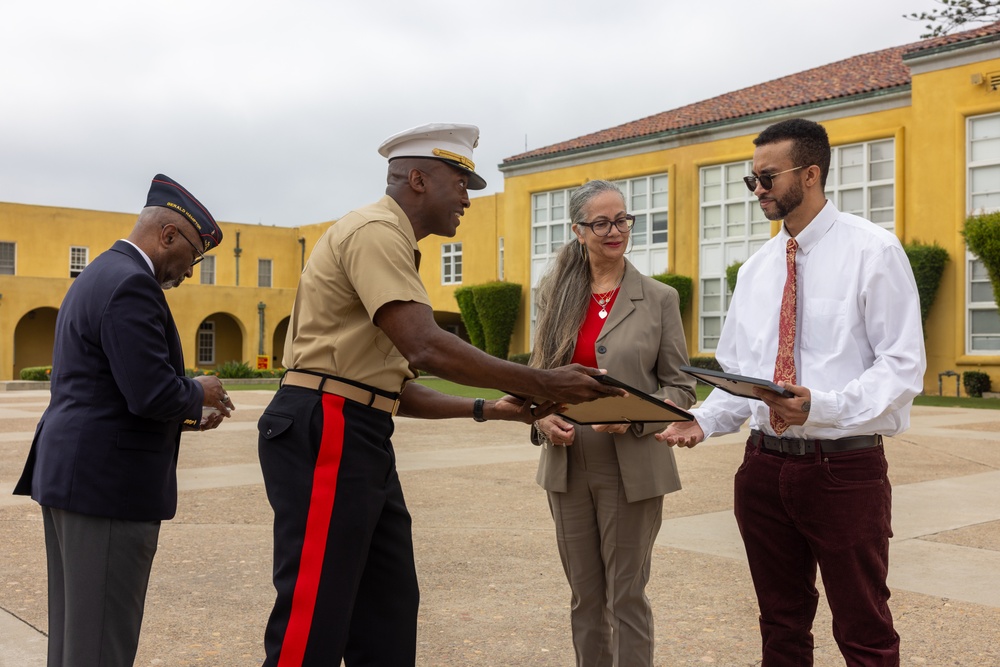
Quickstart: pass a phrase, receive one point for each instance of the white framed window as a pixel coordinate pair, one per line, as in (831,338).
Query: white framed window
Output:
(77,260)
(264,268)
(862,180)
(207,270)
(451,263)
(206,343)
(732,227)
(8,258)
(982,324)
(646,198)
(550,230)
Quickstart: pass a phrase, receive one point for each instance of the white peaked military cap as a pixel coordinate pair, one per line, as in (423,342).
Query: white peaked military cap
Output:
(449,142)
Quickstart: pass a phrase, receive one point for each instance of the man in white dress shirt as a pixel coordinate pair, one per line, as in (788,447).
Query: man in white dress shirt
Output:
(812,489)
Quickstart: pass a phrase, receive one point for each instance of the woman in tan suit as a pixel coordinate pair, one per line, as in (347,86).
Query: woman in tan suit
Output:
(606,490)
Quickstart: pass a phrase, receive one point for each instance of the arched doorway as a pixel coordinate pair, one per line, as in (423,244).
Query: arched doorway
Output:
(219,340)
(278,343)
(34,339)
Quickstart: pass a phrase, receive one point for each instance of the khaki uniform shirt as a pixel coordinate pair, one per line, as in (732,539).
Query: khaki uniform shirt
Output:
(365,260)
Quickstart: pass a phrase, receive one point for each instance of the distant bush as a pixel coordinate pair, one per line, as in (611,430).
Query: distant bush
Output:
(975,383)
(268,372)
(193,372)
(470,316)
(497,304)
(683,284)
(37,373)
(705,362)
(520,358)
(982,236)
(236,369)
(732,271)
(927,262)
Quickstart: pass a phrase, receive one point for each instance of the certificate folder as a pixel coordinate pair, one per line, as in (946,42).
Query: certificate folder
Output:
(737,385)
(637,407)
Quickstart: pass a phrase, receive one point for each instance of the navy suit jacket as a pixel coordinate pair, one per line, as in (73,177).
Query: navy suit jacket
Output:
(107,443)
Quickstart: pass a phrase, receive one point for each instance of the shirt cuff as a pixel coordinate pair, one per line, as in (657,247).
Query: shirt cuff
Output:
(824,411)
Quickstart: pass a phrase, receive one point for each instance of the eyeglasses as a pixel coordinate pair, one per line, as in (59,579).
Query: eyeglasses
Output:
(603,227)
(766,180)
(200,256)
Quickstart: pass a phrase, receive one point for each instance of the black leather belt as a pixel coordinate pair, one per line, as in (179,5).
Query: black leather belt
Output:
(332,385)
(803,446)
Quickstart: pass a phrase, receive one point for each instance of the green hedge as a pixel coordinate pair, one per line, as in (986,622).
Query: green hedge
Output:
(705,362)
(975,383)
(37,373)
(731,272)
(497,305)
(520,358)
(982,236)
(683,284)
(927,262)
(470,316)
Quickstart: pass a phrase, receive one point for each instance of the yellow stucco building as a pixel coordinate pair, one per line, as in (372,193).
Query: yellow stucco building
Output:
(916,137)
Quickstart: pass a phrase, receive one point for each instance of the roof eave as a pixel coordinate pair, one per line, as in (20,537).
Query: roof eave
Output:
(660,137)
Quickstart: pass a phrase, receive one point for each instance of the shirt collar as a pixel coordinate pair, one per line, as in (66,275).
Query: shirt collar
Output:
(149,262)
(815,230)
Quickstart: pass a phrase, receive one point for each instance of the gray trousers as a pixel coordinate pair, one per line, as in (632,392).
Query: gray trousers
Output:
(98,572)
(606,547)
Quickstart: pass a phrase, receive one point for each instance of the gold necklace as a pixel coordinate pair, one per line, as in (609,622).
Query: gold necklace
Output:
(603,299)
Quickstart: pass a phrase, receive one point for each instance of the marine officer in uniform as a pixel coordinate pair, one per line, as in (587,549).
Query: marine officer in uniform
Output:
(104,457)
(360,327)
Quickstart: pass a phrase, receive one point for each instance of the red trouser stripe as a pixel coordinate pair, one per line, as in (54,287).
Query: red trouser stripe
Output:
(324,491)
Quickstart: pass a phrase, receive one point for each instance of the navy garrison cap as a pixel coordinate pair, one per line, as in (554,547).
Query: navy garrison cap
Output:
(168,193)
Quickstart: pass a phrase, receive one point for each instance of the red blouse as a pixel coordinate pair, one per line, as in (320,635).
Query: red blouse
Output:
(591,329)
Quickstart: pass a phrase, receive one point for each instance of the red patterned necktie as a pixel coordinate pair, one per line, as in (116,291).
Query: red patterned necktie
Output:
(784,364)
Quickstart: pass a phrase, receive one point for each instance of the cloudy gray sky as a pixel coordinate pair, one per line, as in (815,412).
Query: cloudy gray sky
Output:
(272,112)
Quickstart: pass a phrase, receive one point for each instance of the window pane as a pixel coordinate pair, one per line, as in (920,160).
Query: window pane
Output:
(882,171)
(881,150)
(640,230)
(881,196)
(985,179)
(659,228)
(981,293)
(852,201)
(638,194)
(985,322)
(659,192)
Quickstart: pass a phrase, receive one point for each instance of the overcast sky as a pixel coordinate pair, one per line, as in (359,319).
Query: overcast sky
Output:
(272,112)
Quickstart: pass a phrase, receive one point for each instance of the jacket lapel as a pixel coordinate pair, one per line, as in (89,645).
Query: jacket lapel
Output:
(631,290)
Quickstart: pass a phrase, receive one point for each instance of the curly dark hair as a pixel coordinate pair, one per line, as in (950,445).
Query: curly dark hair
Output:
(810,143)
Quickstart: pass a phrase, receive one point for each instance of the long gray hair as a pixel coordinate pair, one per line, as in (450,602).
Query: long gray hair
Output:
(564,292)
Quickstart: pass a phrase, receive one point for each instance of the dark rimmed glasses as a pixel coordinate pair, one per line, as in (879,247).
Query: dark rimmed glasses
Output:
(766,180)
(200,256)
(603,227)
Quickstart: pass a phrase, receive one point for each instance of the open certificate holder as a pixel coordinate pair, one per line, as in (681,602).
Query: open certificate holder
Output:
(737,385)
(637,407)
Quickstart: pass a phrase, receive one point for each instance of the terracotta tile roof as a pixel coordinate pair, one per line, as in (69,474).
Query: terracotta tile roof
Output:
(868,73)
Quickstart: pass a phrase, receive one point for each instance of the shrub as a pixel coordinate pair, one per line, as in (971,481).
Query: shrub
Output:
(975,383)
(683,284)
(982,236)
(268,372)
(731,272)
(497,304)
(193,372)
(37,373)
(235,369)
(470,316)
(708,363)
(927,262)
(520,358)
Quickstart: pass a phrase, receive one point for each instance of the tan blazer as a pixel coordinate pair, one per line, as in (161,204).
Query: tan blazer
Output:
(642,344)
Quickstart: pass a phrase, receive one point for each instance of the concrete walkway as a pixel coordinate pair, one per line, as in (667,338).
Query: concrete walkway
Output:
(493,592)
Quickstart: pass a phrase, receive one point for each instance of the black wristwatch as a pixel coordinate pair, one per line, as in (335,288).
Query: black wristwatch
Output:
(477,409)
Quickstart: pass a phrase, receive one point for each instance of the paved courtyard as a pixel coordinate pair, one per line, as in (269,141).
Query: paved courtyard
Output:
(493,592)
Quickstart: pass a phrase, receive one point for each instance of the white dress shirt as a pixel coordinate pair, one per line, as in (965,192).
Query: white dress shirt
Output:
(859,344)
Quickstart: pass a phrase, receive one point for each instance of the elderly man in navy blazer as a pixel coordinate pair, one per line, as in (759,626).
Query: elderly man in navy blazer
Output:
(103,460)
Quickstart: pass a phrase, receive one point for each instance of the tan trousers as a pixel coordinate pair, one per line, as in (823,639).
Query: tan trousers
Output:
(606,545)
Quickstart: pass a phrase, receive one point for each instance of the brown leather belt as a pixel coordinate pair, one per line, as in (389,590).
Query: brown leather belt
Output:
(803,446)
(331,385)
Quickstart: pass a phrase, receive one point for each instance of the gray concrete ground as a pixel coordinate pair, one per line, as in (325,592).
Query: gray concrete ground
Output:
(493,592)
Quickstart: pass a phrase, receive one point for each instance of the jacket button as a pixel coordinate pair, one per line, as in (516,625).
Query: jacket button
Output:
(602,349)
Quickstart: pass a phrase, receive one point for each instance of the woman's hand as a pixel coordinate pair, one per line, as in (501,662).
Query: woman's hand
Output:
(558,431)
(611,428)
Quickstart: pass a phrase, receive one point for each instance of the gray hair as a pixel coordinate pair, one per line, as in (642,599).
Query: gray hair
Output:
(564,292)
